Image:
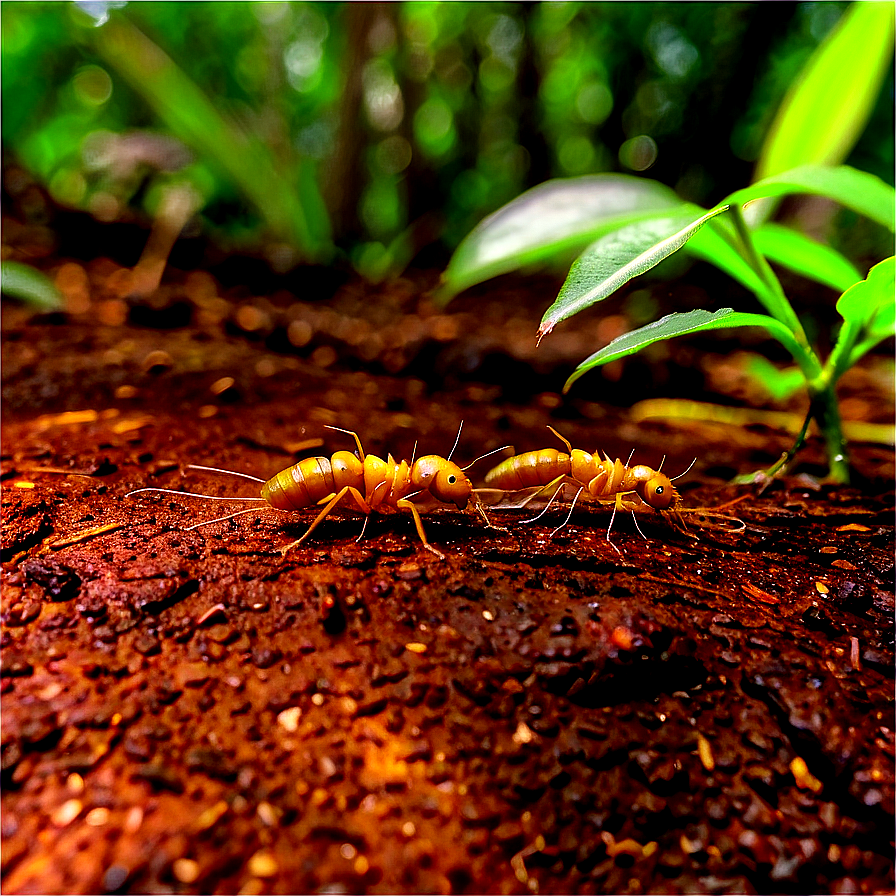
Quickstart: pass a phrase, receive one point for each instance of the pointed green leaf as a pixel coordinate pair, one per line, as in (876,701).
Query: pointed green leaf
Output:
(862,300)
(795,251)
(30,285)
(862,192)
(869,314)
(615,259)
(827,108)
(564,214)
(673,325)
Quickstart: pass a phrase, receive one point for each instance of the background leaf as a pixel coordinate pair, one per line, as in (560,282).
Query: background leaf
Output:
(30,285)
(677,324)
(615,259)
(829,105)
(862,192)
(555,216)
(292,214)
(795,251)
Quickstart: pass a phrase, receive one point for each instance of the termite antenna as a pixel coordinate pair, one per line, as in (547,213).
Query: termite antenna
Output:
(456,440)
(628,463)
(414,452)
(487,454)
(660,467)
(691,464)
(171,491)
(221,519)
(220,470)
(353,434)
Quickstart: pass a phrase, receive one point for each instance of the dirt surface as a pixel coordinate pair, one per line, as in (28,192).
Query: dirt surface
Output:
(191,712)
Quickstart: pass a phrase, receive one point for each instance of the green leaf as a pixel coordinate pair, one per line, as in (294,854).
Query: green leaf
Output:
(829,105)
(31,286)
(673,325)
(795,251)
(615,259)
(869,312)
(862,301)
(780,384)
(862,192)
(563,214)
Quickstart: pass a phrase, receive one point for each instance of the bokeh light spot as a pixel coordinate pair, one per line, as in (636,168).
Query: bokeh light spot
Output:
(639,153)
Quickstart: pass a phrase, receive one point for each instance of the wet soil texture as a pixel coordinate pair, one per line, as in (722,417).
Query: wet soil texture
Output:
(187,711)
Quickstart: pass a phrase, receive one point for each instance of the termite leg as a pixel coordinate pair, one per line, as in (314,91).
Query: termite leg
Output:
(547,507)
(568,515)
(481,511)
(635,519)
(339,496)
(613,517)
(363,528)
(404,504)
(544,488)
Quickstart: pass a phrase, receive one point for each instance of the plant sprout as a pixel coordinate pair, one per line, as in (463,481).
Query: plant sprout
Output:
(632,224)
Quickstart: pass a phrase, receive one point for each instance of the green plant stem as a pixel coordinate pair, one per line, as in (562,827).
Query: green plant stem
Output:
(825,410)
(823,398)
(776,302)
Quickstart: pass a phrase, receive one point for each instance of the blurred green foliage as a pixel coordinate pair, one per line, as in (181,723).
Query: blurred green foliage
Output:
(378,128)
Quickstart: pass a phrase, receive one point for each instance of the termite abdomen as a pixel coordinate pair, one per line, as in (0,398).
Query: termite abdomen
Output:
(312,479)
(529,469)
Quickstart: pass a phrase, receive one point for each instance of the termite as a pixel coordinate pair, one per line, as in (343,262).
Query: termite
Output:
(606,481)
(371,483)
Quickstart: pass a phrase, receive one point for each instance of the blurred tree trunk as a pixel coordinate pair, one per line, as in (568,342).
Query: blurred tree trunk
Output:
(346,175)
(531,133)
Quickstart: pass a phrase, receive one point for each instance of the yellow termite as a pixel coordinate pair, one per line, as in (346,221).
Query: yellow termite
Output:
(371,483)
(604,480)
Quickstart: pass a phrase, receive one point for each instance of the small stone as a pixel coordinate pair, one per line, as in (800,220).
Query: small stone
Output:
(263,864)
(67,813)
(147,644)
(14,666)
(115,878)
(289,718)
(96,818)
(186,870)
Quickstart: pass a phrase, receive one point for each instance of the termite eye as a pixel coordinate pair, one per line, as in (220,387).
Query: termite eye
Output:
(452,480)
(658,490)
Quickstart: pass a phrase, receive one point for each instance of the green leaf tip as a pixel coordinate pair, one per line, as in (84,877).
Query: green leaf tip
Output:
(620,256)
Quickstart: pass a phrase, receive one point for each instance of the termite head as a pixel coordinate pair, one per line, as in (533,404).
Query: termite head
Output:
(444,480)
(654,488)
